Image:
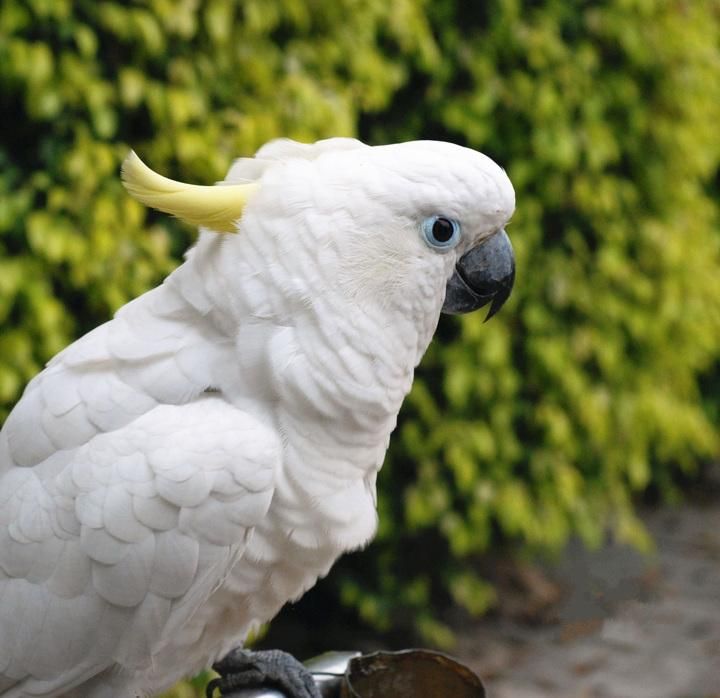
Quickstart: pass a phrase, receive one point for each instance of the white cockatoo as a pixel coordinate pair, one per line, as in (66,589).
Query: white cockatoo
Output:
(176,475)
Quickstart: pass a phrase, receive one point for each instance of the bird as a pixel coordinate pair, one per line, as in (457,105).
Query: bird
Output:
(175,476)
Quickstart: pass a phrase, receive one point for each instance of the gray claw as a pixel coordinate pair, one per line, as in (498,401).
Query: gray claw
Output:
(242,668)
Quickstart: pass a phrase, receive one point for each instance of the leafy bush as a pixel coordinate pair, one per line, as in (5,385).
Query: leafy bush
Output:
(585,390)
(545,422)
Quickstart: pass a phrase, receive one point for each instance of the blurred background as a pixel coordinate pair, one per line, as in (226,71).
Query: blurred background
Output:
(593,396)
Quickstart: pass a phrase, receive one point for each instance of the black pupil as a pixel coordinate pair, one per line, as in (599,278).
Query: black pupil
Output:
(442,230)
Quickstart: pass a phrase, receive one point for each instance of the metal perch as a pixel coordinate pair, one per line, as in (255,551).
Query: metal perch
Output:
(414,673)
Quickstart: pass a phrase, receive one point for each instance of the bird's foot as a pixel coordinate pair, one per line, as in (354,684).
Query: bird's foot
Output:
(242,668)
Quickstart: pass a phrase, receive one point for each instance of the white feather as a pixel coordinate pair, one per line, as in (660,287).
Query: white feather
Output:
(125,582)
(147,524)
(118,516)
(138,641)
(71,577)
(188,492)
(175,565)
(60,392)
(69,430)
(28,443)
(155,513)
(89,350)
(101,546)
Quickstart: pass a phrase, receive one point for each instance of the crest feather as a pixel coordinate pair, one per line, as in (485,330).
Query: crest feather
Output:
(216,207)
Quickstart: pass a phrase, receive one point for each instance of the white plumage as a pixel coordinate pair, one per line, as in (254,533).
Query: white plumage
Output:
(176,475)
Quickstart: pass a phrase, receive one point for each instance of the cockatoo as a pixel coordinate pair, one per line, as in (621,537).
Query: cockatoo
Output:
(175,476)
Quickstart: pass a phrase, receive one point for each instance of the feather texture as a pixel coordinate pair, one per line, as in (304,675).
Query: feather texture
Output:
(140,566)
(176,475)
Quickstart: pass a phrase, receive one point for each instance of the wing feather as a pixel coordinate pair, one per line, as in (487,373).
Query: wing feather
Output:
(157,349)
(108,591)
(176,563)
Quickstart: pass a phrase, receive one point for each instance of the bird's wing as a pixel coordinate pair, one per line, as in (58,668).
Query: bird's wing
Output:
(157,350)
(108,549)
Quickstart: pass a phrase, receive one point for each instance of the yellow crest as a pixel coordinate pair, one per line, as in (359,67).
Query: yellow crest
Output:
(216,207)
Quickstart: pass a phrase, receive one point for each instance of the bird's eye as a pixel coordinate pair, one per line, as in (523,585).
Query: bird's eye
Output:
(441,233)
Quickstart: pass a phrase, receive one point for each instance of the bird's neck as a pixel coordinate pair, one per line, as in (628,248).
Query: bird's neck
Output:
(329,371)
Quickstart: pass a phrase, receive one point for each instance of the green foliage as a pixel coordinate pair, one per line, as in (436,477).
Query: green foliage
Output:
(545,422)
(585,390)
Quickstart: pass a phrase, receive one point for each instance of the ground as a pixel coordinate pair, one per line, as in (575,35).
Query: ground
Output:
(624,627)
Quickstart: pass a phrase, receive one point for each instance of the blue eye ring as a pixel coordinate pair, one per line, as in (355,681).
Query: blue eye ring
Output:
(441,233)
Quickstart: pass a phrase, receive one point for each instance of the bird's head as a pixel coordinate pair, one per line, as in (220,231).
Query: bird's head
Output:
(417,225)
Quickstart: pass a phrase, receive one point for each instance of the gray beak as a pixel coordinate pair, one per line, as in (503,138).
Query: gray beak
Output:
(484,274)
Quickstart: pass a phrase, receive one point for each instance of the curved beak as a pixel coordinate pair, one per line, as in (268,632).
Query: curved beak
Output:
(484,274)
